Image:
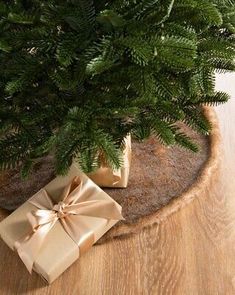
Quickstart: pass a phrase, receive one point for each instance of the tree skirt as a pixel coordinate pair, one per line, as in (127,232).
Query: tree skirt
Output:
(162,180)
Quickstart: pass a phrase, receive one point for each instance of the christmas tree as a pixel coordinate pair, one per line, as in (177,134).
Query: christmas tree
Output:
(78,76)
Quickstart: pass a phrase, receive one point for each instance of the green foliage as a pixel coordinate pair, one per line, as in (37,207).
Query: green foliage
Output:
(78,76)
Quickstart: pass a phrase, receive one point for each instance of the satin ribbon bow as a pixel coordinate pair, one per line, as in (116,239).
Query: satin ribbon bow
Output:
(68,212)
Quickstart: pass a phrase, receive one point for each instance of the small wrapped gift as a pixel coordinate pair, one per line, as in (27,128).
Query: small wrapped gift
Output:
(107,177)
(59,223)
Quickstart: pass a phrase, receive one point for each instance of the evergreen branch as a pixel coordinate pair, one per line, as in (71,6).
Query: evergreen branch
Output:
(184,141)
(108,148)
(162,130)
(195,118)
(214,100)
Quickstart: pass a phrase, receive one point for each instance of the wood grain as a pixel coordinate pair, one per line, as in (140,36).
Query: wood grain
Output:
(192,253)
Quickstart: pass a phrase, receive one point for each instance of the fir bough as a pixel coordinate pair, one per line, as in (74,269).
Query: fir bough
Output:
(78,76)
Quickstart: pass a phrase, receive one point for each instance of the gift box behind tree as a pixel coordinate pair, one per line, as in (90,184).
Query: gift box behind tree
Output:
(107,177)
(59,223)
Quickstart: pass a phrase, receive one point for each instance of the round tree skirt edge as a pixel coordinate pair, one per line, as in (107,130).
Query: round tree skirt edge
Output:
(206,178)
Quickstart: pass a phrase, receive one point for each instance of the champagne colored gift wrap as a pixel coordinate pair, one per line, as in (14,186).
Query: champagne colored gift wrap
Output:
(60,222)
(106,177)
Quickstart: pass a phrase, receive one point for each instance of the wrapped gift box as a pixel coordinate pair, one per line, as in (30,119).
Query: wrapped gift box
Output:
(107,177)
(58,249)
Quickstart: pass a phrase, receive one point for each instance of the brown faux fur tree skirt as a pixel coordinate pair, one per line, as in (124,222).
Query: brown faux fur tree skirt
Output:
(162,180)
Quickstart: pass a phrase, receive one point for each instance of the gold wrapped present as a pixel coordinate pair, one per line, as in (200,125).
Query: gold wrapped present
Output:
(107,177)
(59,223)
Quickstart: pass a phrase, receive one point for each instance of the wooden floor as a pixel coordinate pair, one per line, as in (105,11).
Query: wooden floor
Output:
(192,253)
